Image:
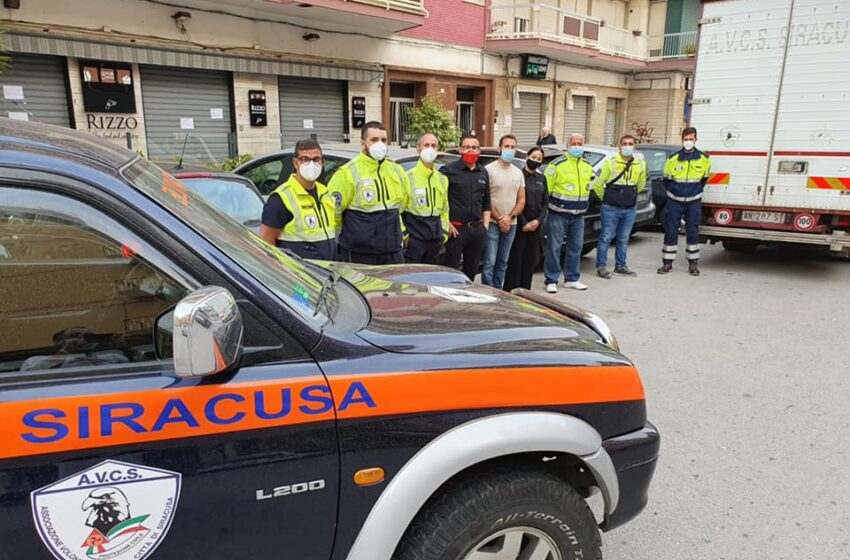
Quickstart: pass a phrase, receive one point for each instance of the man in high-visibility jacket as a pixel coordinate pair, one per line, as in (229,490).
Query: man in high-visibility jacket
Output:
(299,214)
(685,175)
(620,180)
(370,192)
(426,217)
(568,179)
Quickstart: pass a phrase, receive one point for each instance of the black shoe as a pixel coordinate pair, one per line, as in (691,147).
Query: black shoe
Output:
(693,269)
(625,271)
(665,269)
(603,273)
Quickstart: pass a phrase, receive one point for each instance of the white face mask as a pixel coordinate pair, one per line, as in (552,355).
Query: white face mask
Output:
(378,151)
(310,171)
(689,144)
(428,155)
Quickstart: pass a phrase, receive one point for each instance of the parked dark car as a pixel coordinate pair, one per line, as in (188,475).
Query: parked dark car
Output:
(233,194)
(656,155)
(171,385)
(272,170)
(269,171)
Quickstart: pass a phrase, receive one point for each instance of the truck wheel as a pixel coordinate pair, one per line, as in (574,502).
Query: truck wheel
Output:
(748,247)
(510,514)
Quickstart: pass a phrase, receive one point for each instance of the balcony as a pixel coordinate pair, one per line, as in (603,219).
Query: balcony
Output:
(572,37)
(383,17)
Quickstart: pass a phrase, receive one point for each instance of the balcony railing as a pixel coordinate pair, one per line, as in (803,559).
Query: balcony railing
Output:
(673,45)
(541,21)
(412,6)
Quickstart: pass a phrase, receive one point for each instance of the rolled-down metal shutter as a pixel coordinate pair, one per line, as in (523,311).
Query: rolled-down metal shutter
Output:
(310,106)
(612,113)
(42,79)
(527,119)
(172,94)
(575,121)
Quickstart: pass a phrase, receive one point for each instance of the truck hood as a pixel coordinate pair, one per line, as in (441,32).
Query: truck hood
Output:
(429,309)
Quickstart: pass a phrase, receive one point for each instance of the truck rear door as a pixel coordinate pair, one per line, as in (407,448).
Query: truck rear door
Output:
(810,164)
(736,94)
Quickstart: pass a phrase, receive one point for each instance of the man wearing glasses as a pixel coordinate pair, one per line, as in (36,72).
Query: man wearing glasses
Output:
(469,208)
(299,214)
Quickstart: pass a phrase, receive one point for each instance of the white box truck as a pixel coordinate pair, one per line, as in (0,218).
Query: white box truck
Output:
(771,103)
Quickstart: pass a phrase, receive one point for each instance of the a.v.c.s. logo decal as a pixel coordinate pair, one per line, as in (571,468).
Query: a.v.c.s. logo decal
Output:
(112,511)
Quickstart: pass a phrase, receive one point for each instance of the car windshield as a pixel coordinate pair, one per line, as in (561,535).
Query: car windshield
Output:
(655,159)
(230,196)
(593,158)
(291,279)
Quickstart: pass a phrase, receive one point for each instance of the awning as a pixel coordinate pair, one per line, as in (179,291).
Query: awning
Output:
(542,90)
(583,92)
(121,52)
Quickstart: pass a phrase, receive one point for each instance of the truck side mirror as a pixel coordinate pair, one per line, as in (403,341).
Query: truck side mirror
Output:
(203,333)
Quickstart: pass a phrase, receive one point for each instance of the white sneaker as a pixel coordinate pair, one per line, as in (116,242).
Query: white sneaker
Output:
(575,285)
(552,288)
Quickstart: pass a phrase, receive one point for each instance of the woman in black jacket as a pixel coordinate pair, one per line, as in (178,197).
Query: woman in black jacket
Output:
(525,252)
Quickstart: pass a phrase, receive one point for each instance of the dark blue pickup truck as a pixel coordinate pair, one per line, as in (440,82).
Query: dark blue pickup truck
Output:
(171,386)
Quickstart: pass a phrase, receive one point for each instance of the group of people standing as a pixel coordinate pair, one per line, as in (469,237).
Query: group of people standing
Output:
(374,212)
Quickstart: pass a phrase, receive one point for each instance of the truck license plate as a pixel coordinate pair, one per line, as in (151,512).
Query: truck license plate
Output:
(763,217)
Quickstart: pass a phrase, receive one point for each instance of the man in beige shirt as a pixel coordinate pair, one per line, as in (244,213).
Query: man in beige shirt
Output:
(507,199)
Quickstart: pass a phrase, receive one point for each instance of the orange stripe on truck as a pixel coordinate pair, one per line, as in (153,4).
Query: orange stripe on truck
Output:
(829,183)
(82,422)
(718,179)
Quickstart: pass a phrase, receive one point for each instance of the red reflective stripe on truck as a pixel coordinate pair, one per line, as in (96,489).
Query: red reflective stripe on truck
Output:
(718,179)
(738,154)
(813,154)
(829,183)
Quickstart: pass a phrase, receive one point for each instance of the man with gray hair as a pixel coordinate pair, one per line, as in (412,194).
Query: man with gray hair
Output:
(546,137)
(568,179)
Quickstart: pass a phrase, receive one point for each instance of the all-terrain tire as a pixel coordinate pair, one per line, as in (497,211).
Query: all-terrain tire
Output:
(471,510)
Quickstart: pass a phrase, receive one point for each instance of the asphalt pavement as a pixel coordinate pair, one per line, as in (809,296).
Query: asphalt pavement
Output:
(747,375)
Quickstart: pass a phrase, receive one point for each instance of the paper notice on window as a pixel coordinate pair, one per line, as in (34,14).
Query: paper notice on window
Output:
(507,120)
(13,93)
(18,116)
(216,113)
(308,124)
(187,123)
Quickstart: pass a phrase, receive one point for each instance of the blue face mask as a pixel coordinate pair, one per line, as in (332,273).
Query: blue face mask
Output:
(507,155)
(576,151)
(627,151)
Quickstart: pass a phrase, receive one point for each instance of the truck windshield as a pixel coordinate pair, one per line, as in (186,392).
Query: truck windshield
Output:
(289,278)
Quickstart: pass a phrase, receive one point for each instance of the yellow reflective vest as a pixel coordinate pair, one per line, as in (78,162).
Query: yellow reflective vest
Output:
(569,181)
(311,233)
(370,197)
(426,216)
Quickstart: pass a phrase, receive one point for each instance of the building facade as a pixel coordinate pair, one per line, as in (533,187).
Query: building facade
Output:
(207,80)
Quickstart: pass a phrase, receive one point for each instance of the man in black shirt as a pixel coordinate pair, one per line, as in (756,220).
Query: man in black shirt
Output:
(469,208)
(299,214)
(546,137)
